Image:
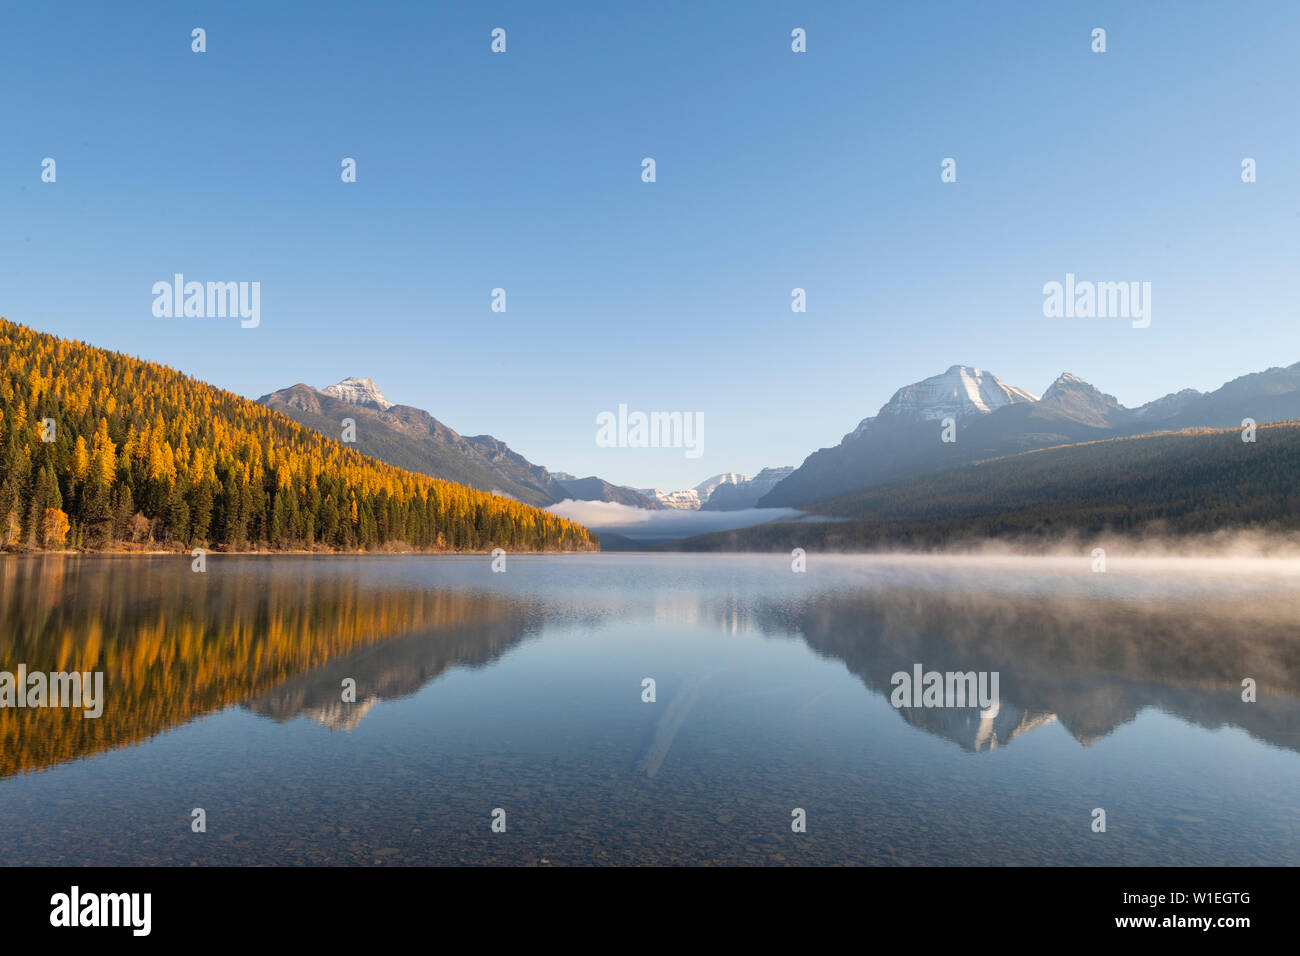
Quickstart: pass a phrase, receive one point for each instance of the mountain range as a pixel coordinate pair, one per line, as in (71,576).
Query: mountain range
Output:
(984,418)
(991,419)
(725,492)
(1159,486)
(413,439)
(746,493)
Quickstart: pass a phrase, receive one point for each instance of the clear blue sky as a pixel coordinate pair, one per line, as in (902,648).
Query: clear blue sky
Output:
(775,170)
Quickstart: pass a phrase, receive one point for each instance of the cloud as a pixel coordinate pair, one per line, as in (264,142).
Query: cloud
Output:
(644,525)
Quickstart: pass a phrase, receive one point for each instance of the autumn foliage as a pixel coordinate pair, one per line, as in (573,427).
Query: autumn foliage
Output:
(142,455)
(170,654)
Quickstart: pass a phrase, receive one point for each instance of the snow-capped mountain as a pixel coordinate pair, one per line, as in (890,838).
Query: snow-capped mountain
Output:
(686,500)
(359,391)
(995,419)
(692,499)
(903,438)
(745,494)
(706,487)
(958,393)
(729,491)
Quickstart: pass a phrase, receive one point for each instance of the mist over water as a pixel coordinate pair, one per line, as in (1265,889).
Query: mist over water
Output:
(642,524)
(1275,552)
(523,690)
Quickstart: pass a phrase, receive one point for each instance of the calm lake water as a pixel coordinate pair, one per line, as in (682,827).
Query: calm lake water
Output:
(523,691)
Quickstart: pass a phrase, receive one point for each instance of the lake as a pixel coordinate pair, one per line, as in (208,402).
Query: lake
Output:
(520,697)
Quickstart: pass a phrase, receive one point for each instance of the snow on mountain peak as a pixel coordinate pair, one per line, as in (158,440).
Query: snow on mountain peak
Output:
(694,499)
(1067,381)
(359,391)
(705,487)
(685,500)
(960,391)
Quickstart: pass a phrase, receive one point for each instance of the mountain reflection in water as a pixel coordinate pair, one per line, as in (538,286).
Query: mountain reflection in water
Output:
(279,636)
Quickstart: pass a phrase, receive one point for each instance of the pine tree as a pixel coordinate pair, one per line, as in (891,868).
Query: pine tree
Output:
(140,451)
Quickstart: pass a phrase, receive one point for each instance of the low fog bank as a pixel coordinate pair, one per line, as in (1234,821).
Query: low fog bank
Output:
(1221,549)
(640,524)
(1222,552)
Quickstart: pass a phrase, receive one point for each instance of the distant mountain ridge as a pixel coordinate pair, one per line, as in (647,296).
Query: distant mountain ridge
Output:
(1191,481)
(989,419)
(728,491)
(597,489)
(688,499)
(737,496)
(992,419)
(411,438)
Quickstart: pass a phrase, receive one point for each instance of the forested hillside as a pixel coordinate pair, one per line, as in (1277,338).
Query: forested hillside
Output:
(1194,481)
(100,450)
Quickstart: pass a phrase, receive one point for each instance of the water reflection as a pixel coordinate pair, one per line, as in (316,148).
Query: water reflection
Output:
(174,645)
(1088,662)
(278,637)
(400,666)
